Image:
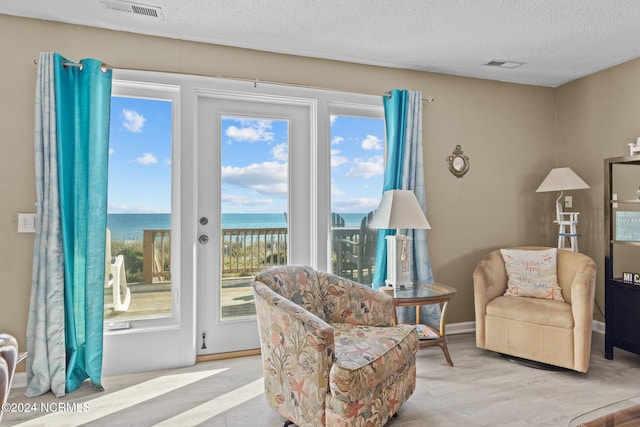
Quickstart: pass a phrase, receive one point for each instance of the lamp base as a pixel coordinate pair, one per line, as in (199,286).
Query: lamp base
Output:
(399,261)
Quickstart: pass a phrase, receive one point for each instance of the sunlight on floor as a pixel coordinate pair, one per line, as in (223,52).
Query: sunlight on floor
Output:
(216,406)
(94,409)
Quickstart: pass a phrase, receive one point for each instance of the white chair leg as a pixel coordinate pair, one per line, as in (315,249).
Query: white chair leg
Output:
(561,234)
(574,237)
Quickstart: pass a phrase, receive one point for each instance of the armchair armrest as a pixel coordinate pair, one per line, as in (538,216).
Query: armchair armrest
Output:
(347,301)
(297,353)
(582,295)
(489,282)
(582,301)
(489,278)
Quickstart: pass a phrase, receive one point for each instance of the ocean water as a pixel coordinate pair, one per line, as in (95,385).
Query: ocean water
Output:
(129,227)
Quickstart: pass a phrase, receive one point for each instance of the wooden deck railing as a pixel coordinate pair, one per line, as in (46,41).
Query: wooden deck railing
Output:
(156,256)
(243,252)
(247,251)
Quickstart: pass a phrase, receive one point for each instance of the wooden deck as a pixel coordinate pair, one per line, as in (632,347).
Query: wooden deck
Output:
(154,301)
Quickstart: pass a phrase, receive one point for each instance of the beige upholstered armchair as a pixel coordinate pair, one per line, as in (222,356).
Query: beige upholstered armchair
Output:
(544,330)
(331,355)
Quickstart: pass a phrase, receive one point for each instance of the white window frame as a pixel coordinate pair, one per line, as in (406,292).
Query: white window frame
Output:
(161,92)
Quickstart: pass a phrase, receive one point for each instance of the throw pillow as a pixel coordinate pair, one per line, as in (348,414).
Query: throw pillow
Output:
(532,273)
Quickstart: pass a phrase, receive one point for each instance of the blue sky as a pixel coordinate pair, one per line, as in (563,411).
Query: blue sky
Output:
(139,156)
(254,161)
(357,163)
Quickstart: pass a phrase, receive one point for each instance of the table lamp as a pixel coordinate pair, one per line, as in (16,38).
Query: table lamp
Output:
(560,179)
(399,209)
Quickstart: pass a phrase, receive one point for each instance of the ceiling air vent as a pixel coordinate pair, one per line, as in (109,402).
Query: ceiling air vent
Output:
(129,8)
(504,64)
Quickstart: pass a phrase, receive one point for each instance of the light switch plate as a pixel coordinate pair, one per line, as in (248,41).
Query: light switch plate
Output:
(568,201)
(26,223)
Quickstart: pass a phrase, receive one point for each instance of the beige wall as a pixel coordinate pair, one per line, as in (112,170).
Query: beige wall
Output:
(507,130)
(598,116)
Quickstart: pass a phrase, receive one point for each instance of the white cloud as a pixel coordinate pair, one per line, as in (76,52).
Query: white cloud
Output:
(335,191)
(251,130)
(372,142)
(336,159)
(367,168)
(133,121)
(268,178)
(332,119)
(117,208)
(355,205)
(337,140)
(280,152)
(122,208)
(111,151)
(147,159)
(238,200)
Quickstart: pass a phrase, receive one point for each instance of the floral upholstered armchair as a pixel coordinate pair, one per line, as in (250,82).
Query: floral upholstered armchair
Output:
(331,355)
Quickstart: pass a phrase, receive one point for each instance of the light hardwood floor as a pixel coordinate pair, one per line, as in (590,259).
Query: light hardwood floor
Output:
(482,389)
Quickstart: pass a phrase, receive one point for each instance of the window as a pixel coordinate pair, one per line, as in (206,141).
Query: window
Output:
(139,205)
(357,170)
(254,206)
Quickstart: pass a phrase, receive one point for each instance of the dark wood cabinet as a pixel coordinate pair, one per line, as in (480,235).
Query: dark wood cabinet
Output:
(622,254)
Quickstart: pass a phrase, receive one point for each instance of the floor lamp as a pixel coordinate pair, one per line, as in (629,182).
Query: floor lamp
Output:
(560,179)
(399,209)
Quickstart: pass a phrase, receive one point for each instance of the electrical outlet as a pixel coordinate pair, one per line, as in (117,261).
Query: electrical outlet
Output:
(568,201)
(26,223)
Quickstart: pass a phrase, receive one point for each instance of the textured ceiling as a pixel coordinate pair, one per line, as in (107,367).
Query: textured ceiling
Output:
(557,40)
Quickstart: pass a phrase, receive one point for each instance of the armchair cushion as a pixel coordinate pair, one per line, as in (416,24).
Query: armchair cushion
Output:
(367,356)
(346,301)
(532,273)
(532,310)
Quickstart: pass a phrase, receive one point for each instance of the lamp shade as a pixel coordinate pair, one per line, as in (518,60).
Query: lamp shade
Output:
(399,209)
(560,179)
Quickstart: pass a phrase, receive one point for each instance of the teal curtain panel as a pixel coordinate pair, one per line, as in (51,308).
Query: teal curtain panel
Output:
(74,155)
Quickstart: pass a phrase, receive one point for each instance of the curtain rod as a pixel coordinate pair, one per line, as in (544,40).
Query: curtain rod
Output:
(428,99)
(103,67)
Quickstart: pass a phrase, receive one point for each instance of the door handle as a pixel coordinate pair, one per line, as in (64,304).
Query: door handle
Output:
(203,239)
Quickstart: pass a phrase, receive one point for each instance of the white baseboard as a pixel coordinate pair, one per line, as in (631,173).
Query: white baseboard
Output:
(598,326)
(460,328)
(19,380)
